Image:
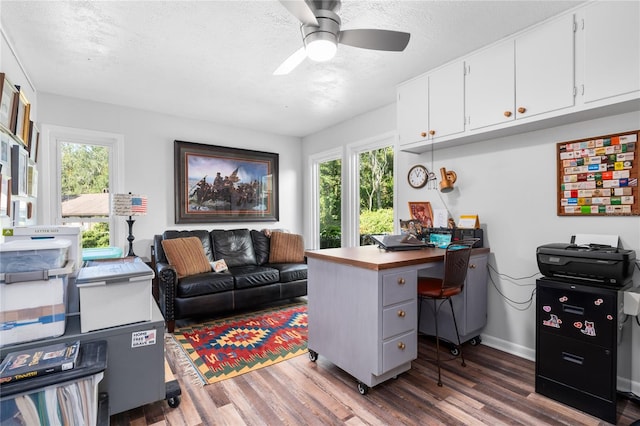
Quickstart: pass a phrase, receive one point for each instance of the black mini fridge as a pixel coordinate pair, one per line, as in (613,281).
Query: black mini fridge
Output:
(582,350)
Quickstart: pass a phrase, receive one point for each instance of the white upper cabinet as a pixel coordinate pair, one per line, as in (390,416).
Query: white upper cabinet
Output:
(490,86)
(611,32)
(544,68)
(578,65)
(446,100)
(413,110)
(520,78)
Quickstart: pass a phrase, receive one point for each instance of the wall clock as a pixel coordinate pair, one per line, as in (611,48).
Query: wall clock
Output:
(418,176)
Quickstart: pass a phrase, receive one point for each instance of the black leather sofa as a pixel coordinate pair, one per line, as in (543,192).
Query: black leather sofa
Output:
(250,281)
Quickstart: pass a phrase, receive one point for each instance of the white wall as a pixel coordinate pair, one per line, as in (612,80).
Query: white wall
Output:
(149,162)
(511,184)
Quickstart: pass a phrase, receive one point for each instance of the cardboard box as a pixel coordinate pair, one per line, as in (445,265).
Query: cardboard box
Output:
(33,304)
(113,294)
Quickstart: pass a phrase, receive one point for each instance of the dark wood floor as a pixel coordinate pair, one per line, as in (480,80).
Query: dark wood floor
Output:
(495,388)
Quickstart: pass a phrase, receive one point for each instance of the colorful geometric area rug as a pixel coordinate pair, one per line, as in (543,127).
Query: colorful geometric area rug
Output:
(228,347)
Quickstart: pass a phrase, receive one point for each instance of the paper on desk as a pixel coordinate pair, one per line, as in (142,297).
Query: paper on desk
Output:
(586,239)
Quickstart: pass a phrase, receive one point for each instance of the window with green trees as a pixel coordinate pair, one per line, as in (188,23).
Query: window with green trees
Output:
(84,184)
(330,192)
(376,193)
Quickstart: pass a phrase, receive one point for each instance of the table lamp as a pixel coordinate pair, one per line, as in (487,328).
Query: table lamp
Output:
(129,205)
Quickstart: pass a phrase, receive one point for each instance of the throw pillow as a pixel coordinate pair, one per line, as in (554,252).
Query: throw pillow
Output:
(186,255)
(286,248)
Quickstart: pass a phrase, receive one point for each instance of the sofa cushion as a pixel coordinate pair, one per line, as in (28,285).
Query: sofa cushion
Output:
(202,234)
(207,283)
(286,248)
(261,243)
(291,271)
(254,276)
(234,246)
(186,255)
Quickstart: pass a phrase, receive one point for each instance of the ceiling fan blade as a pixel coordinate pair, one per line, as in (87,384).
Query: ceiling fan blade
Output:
(301,10)
(291,62)
(394,41)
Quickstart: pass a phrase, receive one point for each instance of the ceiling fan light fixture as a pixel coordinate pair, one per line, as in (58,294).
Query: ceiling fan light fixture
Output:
(321,46)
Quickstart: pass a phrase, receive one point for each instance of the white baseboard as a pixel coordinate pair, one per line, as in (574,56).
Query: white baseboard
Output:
(509,347)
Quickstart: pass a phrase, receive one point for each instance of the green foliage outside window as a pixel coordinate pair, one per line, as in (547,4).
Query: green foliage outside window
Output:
(376,197)
(96,236)
(85,170)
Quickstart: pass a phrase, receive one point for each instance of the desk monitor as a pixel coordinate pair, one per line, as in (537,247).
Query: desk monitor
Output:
(399,242)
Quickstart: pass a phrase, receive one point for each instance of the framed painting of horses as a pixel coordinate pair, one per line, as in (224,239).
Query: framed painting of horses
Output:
(221,184)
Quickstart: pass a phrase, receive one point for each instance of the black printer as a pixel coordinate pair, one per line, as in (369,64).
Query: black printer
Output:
(595,263)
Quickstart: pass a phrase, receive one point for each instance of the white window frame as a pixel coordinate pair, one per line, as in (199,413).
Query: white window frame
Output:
(314,189)
(53,137)
(350,219)
(351,215)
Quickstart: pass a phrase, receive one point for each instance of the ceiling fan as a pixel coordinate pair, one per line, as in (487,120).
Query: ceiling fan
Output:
(321,33)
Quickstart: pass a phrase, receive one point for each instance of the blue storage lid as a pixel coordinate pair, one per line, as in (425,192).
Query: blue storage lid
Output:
(101,253)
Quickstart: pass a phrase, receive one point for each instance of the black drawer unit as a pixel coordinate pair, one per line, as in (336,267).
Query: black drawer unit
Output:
(577,342)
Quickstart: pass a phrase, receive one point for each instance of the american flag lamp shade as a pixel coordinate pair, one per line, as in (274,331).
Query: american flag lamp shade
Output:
(129,205)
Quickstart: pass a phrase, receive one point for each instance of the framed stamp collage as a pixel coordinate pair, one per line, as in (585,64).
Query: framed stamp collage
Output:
(598,176)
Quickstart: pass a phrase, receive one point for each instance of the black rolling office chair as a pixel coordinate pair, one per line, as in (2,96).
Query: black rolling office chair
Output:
(441,289)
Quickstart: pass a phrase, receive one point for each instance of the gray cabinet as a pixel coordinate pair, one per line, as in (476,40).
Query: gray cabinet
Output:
(363,320)
(135,360)
(470,306)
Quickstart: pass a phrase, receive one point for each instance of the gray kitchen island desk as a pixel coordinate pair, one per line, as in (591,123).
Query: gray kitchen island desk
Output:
(362,308)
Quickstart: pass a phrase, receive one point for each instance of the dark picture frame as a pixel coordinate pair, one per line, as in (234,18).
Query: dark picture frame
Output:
(221,184)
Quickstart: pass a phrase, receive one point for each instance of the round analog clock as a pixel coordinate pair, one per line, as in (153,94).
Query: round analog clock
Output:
(418,176)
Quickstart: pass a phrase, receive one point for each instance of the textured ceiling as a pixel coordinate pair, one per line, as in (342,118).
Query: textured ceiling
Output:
(213,60)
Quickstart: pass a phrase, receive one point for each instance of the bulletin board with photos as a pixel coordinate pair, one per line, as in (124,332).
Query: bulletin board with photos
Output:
(598,176)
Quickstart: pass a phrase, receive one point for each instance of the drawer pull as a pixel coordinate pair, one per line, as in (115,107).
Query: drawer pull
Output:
(570,309)
(401,346)
(572,358)
(472,266)
(401,313)
(401,281)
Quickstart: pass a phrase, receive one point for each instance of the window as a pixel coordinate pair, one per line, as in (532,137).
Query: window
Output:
(84,170)
(352,199)
(330,203)
(376,193)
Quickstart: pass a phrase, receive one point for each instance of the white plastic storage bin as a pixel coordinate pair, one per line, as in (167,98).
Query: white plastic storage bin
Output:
(113,294)
(50,233)
(33,304)
(33,255)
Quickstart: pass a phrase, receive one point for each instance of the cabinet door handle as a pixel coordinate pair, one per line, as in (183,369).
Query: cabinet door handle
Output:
(572,358)
(472,266)
(423,134)
(570,309)
(522,110)
(401,281)
(401,313)
(401,346)
(507,113)
(432,132)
